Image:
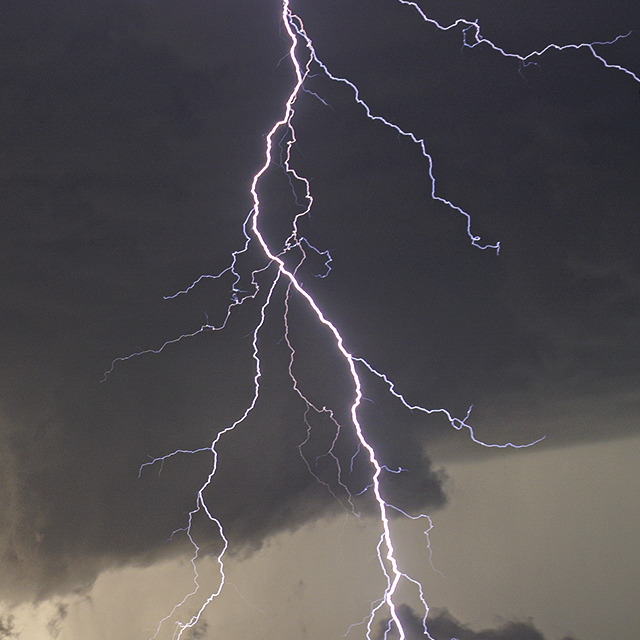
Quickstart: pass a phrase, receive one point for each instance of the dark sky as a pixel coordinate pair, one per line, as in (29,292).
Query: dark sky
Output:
(129,135)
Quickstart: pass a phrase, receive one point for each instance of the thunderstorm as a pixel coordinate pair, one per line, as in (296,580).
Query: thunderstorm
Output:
(271,277)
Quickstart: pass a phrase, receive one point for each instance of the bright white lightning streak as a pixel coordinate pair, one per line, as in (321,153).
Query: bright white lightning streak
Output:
(385,548)
(392,583)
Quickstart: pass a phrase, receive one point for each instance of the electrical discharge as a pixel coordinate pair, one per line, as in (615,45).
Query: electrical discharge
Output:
(305,62)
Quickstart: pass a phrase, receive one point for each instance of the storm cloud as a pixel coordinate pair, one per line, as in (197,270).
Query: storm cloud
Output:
(104,131)
(128,137)
(442,625)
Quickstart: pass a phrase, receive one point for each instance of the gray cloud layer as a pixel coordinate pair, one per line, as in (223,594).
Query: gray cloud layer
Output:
(128,139)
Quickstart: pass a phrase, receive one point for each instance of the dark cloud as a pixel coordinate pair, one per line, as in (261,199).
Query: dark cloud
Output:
(127,140)
(54,625)
(7,629)
(199,631)
(442,625)
(530,335)
(112,139)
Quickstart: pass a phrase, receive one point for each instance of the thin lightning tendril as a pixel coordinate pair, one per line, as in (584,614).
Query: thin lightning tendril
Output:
(283,131)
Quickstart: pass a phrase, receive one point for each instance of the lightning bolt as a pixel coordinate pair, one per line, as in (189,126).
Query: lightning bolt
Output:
(282,266)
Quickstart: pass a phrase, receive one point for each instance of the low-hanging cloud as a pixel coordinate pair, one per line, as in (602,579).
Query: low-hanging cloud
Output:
(443,626)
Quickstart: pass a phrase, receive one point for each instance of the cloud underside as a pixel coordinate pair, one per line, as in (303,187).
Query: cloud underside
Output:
(441,625)
(73,504)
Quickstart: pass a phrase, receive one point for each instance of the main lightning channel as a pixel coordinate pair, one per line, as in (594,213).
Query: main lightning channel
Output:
(287,19)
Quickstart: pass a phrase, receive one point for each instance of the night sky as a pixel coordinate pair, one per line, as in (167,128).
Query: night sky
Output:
(130,132)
